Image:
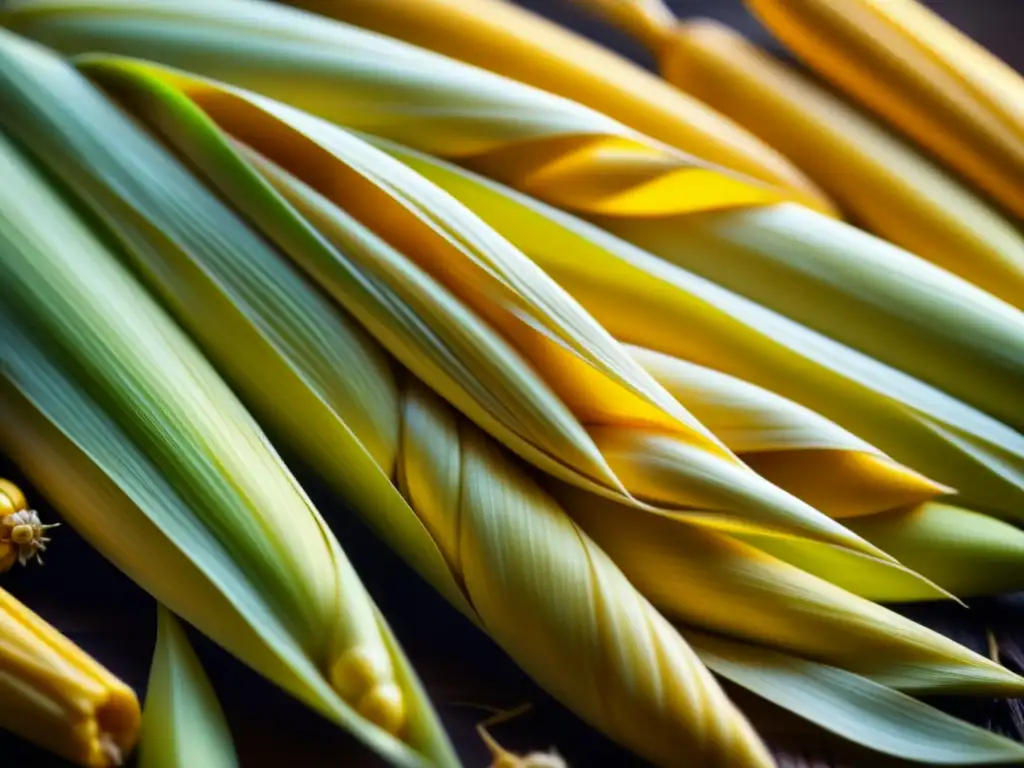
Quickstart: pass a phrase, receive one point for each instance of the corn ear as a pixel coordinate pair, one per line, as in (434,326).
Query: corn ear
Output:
(927,78)
(645,301)
(854,707)
(792,446)
(556,602)
(503,37)
(183,725)
(274,586)
(884,184)
(736,590)
(56,695)
(546,380)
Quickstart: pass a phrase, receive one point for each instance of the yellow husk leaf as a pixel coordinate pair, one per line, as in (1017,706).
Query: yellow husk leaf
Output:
(506,38)
(792,446)
(645,301)
(75,321)
(708,580)
(930,80)
(884,184)
(563,394)
(53,693)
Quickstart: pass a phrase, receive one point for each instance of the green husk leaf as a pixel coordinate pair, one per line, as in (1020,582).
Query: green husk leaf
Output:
(854,707)
(183,725)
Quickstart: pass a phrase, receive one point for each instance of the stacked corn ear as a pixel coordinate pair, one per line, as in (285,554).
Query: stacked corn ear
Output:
(56,695)
(645,301)
(23,536)
(106,403)
(876,179)
(493,529)
(431,282)
(924,76)
(831,276)
(824,274)
(183,725)
(504,37)
(619,664)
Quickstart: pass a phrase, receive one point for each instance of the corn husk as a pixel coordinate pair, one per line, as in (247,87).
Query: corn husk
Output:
(504,37)
(105,403)
(930,80)
(647,302)
(183,725)
(56,695)
(547,380)
(877,180)
(792,446)
(705,579)
(854,707)
(828,275)
(654,684)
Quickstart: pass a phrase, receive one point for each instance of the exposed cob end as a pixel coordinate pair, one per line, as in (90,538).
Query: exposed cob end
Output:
(364,678)
(57,696)
(22,533)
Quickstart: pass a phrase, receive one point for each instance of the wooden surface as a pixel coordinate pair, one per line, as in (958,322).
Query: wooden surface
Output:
(111,618)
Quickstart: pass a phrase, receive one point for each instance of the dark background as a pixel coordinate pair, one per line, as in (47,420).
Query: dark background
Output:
(465,672)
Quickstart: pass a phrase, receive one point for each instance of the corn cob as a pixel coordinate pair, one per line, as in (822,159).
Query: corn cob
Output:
(22,533)
(504,37)
(647,302)
(833,277)
(255,566)
(54,694)
(548,381)
(927,78)
(183,725)
(877,179)
(733,589)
